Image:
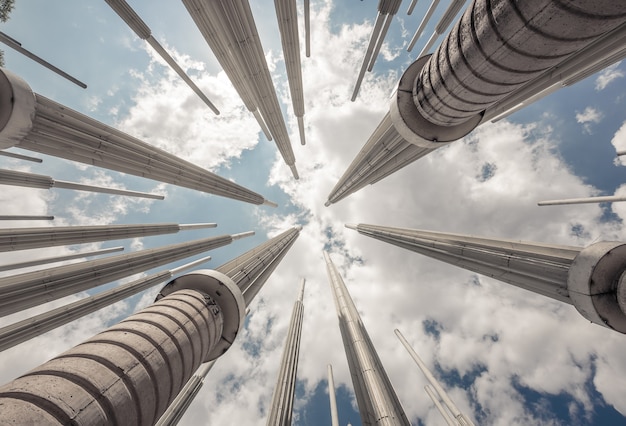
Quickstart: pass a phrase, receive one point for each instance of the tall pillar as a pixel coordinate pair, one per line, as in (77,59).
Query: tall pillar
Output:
(249,271)
(287,15)
(29,238)
(142,30)
(23,291)
(500,54)
(376,398)
(281,407)
(130,373)
(230,30)
(33,122)
(593,278)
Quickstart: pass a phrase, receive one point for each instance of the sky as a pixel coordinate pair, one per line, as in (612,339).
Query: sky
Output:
(505,355)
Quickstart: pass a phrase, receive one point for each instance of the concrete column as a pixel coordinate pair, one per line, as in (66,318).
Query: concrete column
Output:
(55,259)
(281,407)
(229,26)
(33,122)
(287,15)
(588,278)
(32,180)
(23,291)
(142,30)
(130,373)
(17,46)
(376,398)
(29,238)
(21,331)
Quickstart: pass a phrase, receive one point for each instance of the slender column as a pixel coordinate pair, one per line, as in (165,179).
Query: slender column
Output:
(281,407)
(31,180)
(334,416)
(587,200)
(55,259)
(17,46)
(24,330)
(130,373)
(442,25)
(458,416)
(20,157)
(588,278)
(142,30)
(425,19)
(411,7)
(376,398)
(183,400)
(23,291)
(287,16)
(22,217)
(29,238)
(386,11)
(307,27)
(38,124)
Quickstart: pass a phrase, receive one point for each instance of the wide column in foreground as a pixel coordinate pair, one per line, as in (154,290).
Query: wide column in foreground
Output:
(250,272)
(498,56)
(130,373)
(591,278)
(281,407)
(376,398)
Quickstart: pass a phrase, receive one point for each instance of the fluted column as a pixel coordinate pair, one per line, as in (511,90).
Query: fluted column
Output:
(376,398)
(591,278)
(281,407)
(36,123)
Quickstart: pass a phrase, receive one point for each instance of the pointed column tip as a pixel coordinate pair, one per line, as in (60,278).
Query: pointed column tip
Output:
(327,204)
(242,235)
(351,226)
(269,203)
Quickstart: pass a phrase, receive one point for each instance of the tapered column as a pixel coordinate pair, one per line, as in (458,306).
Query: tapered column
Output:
(281,407)
(589,278)
(31,180)
(249,272)
(386,11)
(130,373)
(377,400)
(29,238)
(334,416)
(54,259)
(19,292)
(457,417)
(24,330)
(498,56)
(142,30)
(229,29)
(39,124)
(287,16)
(17,46)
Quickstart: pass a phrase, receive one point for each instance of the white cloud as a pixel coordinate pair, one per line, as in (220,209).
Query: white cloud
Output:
(608,75)
(589,116)
(619,142)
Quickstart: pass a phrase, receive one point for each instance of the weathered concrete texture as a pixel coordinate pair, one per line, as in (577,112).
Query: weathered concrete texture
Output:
(497,46)
(126,375)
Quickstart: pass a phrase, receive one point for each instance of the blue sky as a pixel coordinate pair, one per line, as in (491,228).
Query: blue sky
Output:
(505,355)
